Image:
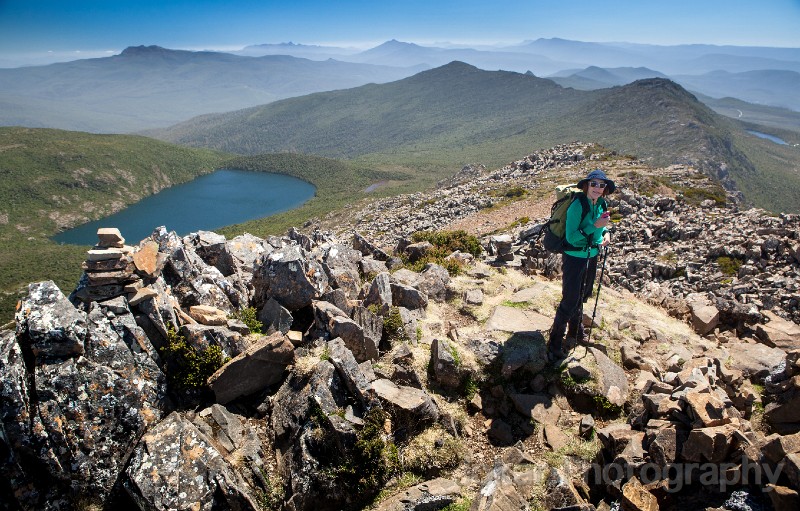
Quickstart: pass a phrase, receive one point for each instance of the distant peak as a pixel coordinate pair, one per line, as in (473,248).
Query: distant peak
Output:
(144,50)
(395,42)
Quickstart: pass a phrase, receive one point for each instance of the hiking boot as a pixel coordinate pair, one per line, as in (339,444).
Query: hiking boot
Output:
(576,335)
(556,355)
(555,344)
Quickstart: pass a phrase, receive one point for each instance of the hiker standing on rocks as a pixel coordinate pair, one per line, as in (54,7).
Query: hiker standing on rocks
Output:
(579,265)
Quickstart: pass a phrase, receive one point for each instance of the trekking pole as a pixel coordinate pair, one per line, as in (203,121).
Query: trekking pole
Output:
(583,287)
(597,298)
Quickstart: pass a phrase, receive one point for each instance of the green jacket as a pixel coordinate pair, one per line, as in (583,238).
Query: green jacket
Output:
(573,233)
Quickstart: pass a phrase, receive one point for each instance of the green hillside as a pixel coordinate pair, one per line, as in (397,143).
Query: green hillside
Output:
(440,119)
(451,105)
(52,179)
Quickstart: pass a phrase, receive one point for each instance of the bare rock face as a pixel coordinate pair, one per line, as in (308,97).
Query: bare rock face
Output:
(499,491)
(444,364)
(380,291)
(309,434)
(414,406)
(612,382)
(434,494)
(289,276)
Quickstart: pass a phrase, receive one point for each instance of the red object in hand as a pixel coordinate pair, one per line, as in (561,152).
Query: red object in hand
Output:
(605,214)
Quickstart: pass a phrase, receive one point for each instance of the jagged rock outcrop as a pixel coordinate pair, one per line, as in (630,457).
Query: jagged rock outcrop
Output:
(75,395)
(366,371)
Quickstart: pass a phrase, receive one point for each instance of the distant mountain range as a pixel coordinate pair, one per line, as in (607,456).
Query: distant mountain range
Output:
(147,86)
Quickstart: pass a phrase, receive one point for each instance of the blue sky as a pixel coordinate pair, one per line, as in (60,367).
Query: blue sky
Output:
(90,28)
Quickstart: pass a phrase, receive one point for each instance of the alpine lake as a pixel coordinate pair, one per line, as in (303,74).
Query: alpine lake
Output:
(208,202)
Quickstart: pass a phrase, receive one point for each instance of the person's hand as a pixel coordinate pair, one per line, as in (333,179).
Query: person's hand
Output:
(603,220)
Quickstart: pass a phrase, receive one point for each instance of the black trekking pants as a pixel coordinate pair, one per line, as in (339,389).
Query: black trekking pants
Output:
(573,270)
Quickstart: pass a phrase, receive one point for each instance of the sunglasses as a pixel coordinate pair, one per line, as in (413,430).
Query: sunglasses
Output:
(596,184)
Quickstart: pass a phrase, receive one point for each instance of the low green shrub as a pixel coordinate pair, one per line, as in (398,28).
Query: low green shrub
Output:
(729,265)
(249,316)
(187,367)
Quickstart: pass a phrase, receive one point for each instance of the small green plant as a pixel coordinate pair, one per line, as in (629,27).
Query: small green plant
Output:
(520,221)
(456,356)
(461,505)
(271,498)
(393,326)
(419,333)
(450,241)
(372,461)
(516,305)
(454,267)
(326,353)
(249,317)
(729,265)
(668,257)
(187,367)
(470,387)
(606,407)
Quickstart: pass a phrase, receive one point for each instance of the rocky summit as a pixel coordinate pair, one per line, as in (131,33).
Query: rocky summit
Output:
(393,357)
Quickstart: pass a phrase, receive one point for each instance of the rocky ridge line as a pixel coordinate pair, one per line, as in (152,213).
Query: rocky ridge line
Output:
(362,372)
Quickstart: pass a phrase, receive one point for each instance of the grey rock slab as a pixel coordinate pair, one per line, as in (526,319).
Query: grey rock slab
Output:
(511,319)
(260,366)
(50,323)
(612,381)
(409,399)
(539,407)
(754,359)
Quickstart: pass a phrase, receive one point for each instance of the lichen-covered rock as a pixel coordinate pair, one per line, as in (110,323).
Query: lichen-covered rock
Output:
(341,266)
(191,280)
(18,443)
(49,324)
(445,365)
(176,466)
(289,276)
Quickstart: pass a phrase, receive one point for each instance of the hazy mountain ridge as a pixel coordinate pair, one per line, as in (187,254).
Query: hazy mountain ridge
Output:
(456,100)
(147,86)
(144,87)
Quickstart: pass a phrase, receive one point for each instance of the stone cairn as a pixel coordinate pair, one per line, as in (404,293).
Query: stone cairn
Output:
(502,247)
(110,270)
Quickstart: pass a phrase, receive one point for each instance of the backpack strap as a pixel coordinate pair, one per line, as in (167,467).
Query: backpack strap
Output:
(584,200)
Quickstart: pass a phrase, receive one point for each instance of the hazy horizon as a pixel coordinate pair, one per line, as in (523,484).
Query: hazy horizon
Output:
(33,33)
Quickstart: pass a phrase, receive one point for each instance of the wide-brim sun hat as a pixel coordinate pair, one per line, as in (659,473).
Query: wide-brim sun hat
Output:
(599,175)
